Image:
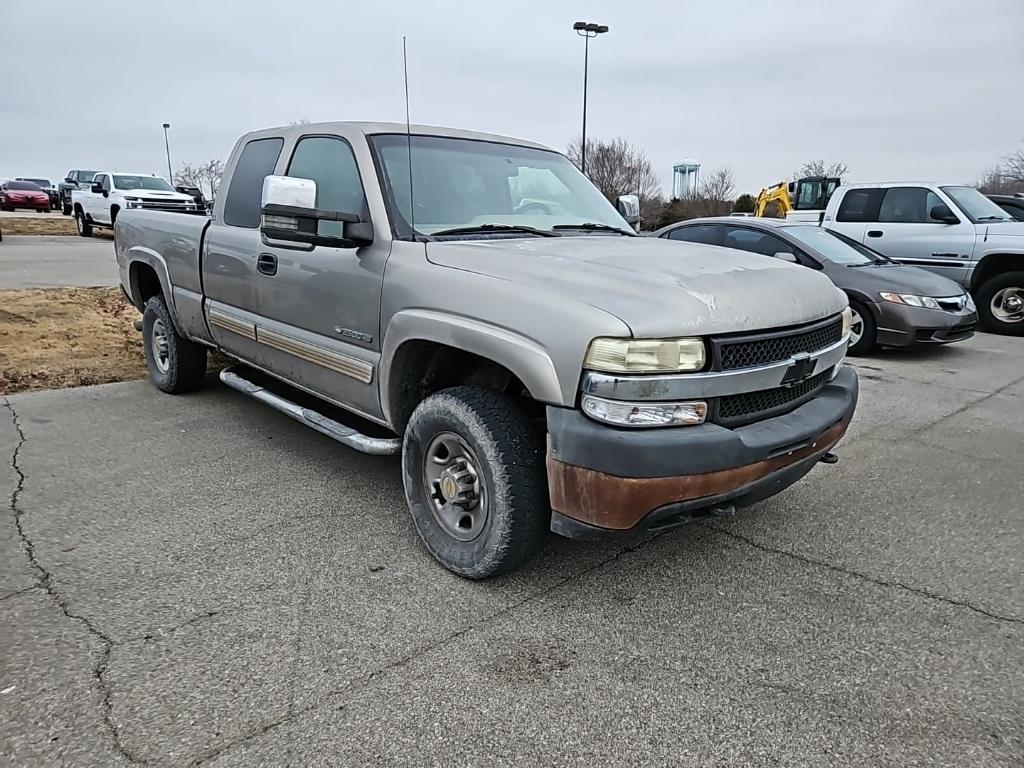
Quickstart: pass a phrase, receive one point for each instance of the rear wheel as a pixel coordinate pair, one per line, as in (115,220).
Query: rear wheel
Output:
(473,469)
(82,225)
(862,330)
(175,364)
(1001,304)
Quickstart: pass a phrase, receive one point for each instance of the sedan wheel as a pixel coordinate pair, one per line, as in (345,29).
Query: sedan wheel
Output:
(862,330)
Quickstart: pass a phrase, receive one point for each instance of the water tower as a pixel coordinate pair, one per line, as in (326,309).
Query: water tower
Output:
(685,178)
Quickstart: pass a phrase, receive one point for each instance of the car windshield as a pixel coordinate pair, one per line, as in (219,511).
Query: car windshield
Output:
(832,246)
(39,182)
(977,207)
(86,175)
(141,182)
(463,183)
(26,186)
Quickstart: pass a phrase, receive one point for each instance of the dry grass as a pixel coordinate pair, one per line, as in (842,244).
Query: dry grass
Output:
(37,225)
(67,337)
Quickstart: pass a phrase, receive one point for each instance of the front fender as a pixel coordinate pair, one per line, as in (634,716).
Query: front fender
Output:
(523,357)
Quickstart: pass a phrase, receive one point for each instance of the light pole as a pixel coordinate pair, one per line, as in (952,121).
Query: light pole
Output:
(167,146)
(586,30)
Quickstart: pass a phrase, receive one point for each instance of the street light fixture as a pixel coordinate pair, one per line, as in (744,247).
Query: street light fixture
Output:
(167,146)
(586,30)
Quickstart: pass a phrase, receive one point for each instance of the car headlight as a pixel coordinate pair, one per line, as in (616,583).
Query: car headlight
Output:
(131,199)
(847,320)
(625,414)
(969,302)
(909,299)
(645,355)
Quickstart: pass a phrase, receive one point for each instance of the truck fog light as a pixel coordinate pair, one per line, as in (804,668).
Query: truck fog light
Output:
(625,414)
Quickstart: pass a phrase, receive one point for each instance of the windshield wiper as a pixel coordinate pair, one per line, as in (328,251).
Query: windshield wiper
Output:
(995,218)
(594,226)
(483,229)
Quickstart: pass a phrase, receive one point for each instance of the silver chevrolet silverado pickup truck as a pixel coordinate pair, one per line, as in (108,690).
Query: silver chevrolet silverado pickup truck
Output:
(474,303)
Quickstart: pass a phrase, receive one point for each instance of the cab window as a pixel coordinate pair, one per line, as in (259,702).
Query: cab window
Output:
(330,162)
(257,161)
(908,205)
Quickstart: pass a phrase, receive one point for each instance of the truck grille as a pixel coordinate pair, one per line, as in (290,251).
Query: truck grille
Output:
(753,406)
(773,347)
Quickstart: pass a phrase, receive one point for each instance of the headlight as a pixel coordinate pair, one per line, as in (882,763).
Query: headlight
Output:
(645,355)
(969,302)
(623,414)
(914,301)
(131,199)
(847,320)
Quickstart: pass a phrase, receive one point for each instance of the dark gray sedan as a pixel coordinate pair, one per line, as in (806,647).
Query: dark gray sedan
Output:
(893,305)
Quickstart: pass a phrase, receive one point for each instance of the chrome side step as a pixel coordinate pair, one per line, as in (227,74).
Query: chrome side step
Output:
(378,446)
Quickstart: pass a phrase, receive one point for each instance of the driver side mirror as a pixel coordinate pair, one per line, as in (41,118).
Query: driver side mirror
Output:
(96,188)
(289,213)
(629,207)
(787,256)
(942,213)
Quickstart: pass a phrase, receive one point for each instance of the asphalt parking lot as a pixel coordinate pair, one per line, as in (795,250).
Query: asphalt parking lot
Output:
(40,261)
(199,580)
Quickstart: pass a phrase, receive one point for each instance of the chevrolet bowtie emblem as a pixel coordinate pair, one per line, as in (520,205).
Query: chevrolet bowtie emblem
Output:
(802,367)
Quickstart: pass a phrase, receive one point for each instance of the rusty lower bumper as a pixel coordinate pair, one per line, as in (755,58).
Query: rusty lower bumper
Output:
(668,477)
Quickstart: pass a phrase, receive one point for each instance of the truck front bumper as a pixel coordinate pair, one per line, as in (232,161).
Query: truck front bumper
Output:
(605,480)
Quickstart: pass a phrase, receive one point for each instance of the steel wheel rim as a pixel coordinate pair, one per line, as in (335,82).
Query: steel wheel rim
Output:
(160,345)
(453,488)
(856,326)
(1008,305)
(78,223)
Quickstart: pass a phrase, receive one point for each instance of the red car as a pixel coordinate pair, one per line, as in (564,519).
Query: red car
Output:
(23,194)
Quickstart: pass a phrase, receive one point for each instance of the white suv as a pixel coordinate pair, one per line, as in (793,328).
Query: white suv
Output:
(111,192)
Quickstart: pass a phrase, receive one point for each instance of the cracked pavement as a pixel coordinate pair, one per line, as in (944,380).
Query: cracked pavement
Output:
(201,581)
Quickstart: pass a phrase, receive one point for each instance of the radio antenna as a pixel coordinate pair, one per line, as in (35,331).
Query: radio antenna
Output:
(408,139)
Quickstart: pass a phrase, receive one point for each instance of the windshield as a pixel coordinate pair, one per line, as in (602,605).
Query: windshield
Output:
(26,186)
(85,175)
(38,182)
(976,205)
(466,183)
(832,246)
(141,182)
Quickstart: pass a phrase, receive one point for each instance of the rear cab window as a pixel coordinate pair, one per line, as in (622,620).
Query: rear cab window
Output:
(257,161)
(860,205)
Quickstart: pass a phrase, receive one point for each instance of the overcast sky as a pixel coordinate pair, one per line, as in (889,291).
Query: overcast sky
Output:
(923,89)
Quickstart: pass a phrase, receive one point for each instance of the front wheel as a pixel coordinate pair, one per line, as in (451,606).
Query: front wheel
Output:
(65,208)
(862,330)
(1001,304)
(175,364)
(473,470)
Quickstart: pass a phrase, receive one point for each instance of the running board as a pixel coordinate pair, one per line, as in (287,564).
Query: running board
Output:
(378,446)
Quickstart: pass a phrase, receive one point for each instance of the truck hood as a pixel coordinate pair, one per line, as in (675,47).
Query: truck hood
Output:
(656,287)
(155,194)
(1011,228)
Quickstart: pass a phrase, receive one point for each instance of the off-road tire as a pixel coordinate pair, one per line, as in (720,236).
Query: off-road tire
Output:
(186,360)
(511,473)
(983,298)
(82,224)
(867,339)
(65,208)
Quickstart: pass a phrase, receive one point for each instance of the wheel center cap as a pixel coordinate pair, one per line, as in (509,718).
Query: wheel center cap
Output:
(449,488)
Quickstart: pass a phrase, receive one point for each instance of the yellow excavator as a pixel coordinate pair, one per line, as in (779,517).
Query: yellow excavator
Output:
(801,200)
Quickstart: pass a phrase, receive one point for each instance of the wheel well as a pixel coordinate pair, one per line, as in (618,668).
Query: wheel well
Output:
(113,213)
(425,367)
(144,282)
(993,265)
(78,207)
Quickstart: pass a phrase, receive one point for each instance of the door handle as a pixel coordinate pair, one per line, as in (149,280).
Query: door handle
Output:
(266,264)
(874,233)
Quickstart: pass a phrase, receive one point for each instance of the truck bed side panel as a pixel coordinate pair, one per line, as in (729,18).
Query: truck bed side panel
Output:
(171,244)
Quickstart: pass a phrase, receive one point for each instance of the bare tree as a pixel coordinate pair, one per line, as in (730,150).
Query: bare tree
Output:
(1006,177)
(619,168)
(818,168)
(714,197)
(206,176)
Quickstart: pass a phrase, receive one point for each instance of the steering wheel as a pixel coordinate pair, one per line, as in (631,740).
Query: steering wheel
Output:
(534,206)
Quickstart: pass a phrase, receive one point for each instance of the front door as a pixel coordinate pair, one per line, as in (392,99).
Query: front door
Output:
(906,231)
(320,306)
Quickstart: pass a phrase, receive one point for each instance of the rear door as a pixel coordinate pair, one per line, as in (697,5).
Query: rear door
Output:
(905,230)
(856,208)
(320,306)
(232,247)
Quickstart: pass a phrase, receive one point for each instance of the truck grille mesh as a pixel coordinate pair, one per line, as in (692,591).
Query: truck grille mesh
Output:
(751,406)
(745,353)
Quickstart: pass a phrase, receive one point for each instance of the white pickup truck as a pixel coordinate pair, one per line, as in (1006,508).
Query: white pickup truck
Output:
(110,193)
(951,229)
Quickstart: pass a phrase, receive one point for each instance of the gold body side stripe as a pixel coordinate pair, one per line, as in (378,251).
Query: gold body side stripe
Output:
(335,361)
(231,323)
